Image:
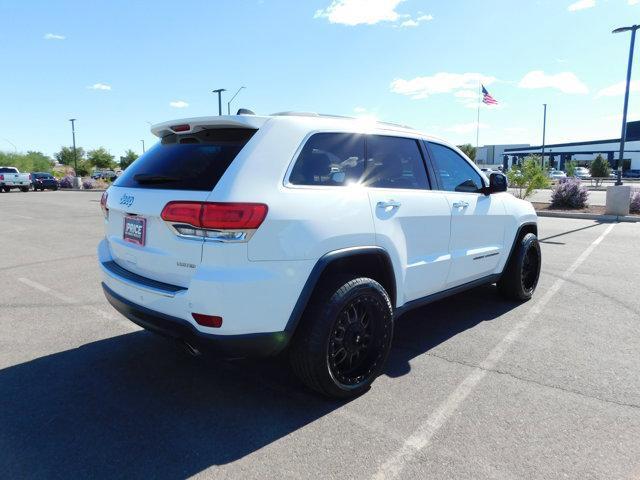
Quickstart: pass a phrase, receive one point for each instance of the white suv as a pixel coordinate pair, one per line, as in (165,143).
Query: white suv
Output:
(248,235)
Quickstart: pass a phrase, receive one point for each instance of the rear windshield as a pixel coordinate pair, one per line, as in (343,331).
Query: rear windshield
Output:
(42,175)
(187,162)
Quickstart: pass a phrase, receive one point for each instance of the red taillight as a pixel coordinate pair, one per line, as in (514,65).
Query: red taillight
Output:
(1,177)
(216,216)
(233,216)
(29,176)
(181,128)
(207,320)
(103,204)
(182,212)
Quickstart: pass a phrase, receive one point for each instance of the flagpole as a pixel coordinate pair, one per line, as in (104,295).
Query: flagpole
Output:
(478,119)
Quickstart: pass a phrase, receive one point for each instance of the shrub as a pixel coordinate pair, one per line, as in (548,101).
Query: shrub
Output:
(527,177)
(569,193)
(570,168)
(66,181)
(88,184)
(634,206)
(599,169)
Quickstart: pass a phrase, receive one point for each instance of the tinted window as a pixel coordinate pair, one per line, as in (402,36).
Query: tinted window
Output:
(187,162)
(330,159)
(455,172)
(394,162)
(8,170)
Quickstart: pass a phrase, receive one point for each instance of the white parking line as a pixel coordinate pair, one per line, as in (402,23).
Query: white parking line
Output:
(112,316)
(424,433)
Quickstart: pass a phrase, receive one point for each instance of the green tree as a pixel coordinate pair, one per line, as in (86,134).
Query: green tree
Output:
(129,157)
(65,155)
(570,168)
(469,150)
(599,169)
(84,168)
(27,162)
(100,158)
(528,176)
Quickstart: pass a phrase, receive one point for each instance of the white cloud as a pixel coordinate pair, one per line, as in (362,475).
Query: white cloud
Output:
(466,94)
(178,104)
(442,82)
(417,21)
(466,127)
(53,36)
(617,89)
(581,5)
(409,23)
(100,86)
(359,110)
(633,2)
(357,12)
(566,82)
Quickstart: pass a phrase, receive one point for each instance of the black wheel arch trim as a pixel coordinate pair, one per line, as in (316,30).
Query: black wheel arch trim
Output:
(515,241)
(321,265)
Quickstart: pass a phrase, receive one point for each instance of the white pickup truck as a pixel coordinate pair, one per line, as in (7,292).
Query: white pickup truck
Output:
(10,178)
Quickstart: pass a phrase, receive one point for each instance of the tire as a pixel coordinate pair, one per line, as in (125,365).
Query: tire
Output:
(344,337)
(520,277)
(6,189)
(24,189)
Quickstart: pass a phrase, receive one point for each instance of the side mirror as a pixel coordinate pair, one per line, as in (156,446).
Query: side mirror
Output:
(497,183)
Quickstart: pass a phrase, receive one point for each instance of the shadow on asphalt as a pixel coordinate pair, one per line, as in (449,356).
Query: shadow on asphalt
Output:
(420,330)
(135,406)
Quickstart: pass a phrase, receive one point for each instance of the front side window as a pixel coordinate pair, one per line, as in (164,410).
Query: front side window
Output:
(330,159)
(455,172)
(394,162)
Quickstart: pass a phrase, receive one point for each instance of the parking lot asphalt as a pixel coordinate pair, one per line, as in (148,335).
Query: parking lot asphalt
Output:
(476,387)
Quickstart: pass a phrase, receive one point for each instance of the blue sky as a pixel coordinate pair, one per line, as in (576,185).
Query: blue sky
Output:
(116,65)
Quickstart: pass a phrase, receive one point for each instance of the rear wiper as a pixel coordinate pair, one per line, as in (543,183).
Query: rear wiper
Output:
(150,178)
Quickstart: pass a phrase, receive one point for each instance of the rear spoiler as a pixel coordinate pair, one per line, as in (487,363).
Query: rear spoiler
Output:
(192,125)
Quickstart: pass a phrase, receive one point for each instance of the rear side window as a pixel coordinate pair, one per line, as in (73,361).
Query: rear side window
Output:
(455,172)
(394,162)
(330,159)
(187,162)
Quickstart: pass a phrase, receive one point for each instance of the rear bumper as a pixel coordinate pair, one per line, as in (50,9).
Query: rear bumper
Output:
(230,346)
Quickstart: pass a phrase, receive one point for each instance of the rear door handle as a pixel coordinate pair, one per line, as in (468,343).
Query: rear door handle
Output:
(389,204)
(460,204)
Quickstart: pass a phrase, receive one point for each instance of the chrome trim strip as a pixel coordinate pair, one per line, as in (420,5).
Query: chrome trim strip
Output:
(112,273)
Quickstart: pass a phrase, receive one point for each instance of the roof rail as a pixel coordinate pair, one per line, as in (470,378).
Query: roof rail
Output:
(344,117)
(295,114)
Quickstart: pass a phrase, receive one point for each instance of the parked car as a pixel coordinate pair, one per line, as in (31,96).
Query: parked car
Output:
(247,235)
(634,173)
(583,173)
(43,181)
(10,177)
(106,174)
(557,175)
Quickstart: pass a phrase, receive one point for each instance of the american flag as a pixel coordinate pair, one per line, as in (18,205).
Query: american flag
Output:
(487,98)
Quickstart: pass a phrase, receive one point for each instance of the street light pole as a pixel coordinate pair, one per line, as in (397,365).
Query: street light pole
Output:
(142,140)
(219,92)
(73,134)
(544,131)
(623,135)
(229,102)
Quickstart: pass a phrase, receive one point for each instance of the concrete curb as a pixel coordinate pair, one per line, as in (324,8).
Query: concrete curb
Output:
(589,216)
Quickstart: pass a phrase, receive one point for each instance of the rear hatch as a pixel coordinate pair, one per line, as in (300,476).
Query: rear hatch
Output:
(181,167)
